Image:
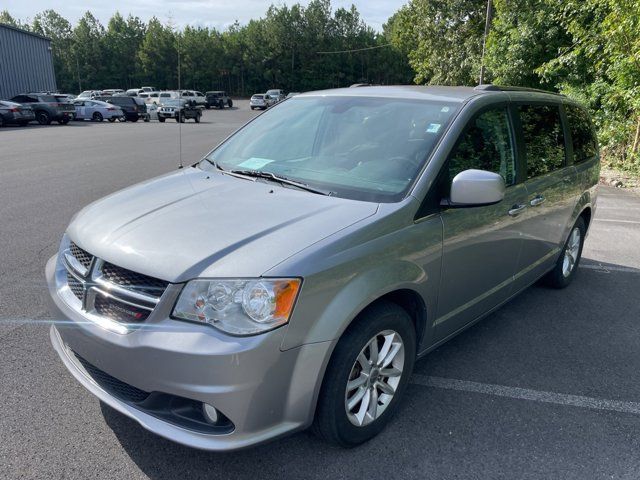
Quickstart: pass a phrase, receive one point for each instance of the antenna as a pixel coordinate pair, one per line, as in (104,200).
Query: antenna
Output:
(178,118)
(179,107)
(487,27)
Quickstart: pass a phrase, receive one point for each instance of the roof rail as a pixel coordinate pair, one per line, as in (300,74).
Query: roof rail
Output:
(498,88)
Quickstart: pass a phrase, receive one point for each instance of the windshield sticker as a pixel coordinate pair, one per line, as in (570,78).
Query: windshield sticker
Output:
(433,128)
(255,163)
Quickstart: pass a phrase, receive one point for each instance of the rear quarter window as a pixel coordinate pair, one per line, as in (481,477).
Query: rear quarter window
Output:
(583,139)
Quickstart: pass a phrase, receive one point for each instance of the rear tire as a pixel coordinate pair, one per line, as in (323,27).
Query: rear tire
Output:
(567,264)
(64,121)
(134,119)
(230,103)
(97,117)
(197,119)
(345,414)
(43,118)
(111,120)
(161,119)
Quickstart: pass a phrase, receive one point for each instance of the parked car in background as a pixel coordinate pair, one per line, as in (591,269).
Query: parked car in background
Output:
(167,95)
(47,108)
(133,108)
(179,109)
(148,89)
(292,94)
(91,94)
(12,113)
(150,97)
(218,98)
(65,97)
(276,94)
(97,111)
(112,91)
(261,101)
(134,92)
(198,97)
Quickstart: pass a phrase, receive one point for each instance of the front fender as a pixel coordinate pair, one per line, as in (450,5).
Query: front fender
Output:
(329,307)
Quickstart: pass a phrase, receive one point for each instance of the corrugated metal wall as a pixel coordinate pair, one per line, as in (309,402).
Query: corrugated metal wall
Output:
(26,63)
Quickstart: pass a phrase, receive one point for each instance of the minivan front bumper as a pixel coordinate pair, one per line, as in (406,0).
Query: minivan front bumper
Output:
(265,392)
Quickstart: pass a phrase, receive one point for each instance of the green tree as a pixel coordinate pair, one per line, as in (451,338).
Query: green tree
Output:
(158,55)
(58,29)
(121,43)
(443,39)
(88,52)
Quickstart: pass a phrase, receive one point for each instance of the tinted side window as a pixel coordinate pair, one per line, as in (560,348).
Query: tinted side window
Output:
(543,138)
(485,144)
(582,136)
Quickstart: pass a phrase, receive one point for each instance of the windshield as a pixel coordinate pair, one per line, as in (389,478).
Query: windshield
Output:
(356,147)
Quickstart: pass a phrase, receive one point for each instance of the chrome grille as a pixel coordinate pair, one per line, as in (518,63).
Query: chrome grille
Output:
(108,291)
(134,281)
(82,256)
(75,286)
(119,311)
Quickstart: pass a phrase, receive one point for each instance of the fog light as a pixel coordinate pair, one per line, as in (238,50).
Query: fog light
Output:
(210,413)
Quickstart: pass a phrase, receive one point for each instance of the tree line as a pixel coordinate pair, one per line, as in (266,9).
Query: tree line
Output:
(587,49)
(294,48)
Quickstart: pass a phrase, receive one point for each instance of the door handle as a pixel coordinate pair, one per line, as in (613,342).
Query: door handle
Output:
(537,200)
(517,210)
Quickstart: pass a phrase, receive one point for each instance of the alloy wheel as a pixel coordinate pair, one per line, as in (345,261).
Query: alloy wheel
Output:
(374,378)
(571,252)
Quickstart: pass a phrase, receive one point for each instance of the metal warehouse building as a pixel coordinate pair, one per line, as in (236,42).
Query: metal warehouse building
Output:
(26,62)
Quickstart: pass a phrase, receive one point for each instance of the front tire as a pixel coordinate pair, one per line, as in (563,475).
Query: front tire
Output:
(366,376)
(567,264)
(97,117)
(230,103)
(197,119)
(161,119)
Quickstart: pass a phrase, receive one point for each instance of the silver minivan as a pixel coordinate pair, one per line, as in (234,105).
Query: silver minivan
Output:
(274,286)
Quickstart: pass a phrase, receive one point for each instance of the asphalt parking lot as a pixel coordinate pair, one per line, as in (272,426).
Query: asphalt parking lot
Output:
(546,387)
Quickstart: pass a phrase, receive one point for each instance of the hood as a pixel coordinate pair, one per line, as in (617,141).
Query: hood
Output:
(194,223)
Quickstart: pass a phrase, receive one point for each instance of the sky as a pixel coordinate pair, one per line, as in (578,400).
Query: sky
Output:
(210,13)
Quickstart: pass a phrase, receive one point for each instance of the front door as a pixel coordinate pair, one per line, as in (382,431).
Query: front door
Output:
(481,244)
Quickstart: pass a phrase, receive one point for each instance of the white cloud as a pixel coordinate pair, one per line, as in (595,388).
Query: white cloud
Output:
(212,13)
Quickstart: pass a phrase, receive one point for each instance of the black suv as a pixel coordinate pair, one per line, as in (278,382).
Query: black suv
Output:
(47,108)
(133,108)
(218,99)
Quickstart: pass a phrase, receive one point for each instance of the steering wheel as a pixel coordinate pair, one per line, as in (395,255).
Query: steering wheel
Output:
(411,165)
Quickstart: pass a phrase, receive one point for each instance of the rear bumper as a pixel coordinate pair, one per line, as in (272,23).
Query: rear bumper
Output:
(263,391)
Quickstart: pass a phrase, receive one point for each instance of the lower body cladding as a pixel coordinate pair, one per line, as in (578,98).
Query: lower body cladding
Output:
(167,375)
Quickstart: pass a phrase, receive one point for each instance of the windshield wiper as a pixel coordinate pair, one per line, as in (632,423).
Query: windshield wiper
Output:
(282,180)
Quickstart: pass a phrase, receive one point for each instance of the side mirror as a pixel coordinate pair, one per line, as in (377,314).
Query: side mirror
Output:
(474,188)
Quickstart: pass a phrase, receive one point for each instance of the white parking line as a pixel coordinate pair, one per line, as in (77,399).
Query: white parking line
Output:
(609,268)
(635,222)
(527,394)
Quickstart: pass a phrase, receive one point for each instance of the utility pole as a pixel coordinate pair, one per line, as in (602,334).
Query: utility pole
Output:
(487,27)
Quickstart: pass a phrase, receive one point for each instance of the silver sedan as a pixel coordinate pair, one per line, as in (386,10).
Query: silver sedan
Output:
(97,111)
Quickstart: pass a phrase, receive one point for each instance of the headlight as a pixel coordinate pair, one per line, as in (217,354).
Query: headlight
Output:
(239,307)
